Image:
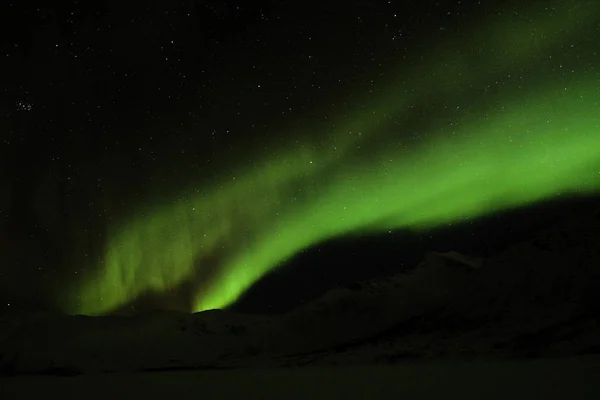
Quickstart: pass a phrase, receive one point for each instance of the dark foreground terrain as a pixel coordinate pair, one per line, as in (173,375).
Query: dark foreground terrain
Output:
(571,378)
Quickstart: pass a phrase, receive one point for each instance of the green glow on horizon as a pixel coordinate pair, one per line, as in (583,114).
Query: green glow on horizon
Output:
(528,141)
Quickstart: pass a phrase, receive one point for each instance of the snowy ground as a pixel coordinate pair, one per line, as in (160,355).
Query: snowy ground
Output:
(570,378)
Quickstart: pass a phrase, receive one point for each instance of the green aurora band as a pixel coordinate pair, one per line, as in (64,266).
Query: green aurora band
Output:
(514,119)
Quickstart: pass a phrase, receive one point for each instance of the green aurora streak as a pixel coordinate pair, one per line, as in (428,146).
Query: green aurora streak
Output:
(515,120)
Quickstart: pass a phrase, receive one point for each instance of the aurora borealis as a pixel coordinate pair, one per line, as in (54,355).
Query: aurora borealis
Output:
(280,134)
(516,121)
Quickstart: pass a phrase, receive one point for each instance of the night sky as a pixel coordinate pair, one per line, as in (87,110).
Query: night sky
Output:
(170,154)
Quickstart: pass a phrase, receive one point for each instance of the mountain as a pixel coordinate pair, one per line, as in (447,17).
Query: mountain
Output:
(537,298)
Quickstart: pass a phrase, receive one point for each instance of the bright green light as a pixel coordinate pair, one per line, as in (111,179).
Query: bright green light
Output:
(512,128)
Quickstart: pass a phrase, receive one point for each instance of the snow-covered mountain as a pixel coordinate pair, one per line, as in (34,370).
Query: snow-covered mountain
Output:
(540,297)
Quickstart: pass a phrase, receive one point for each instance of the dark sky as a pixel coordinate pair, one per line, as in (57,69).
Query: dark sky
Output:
(112,106)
